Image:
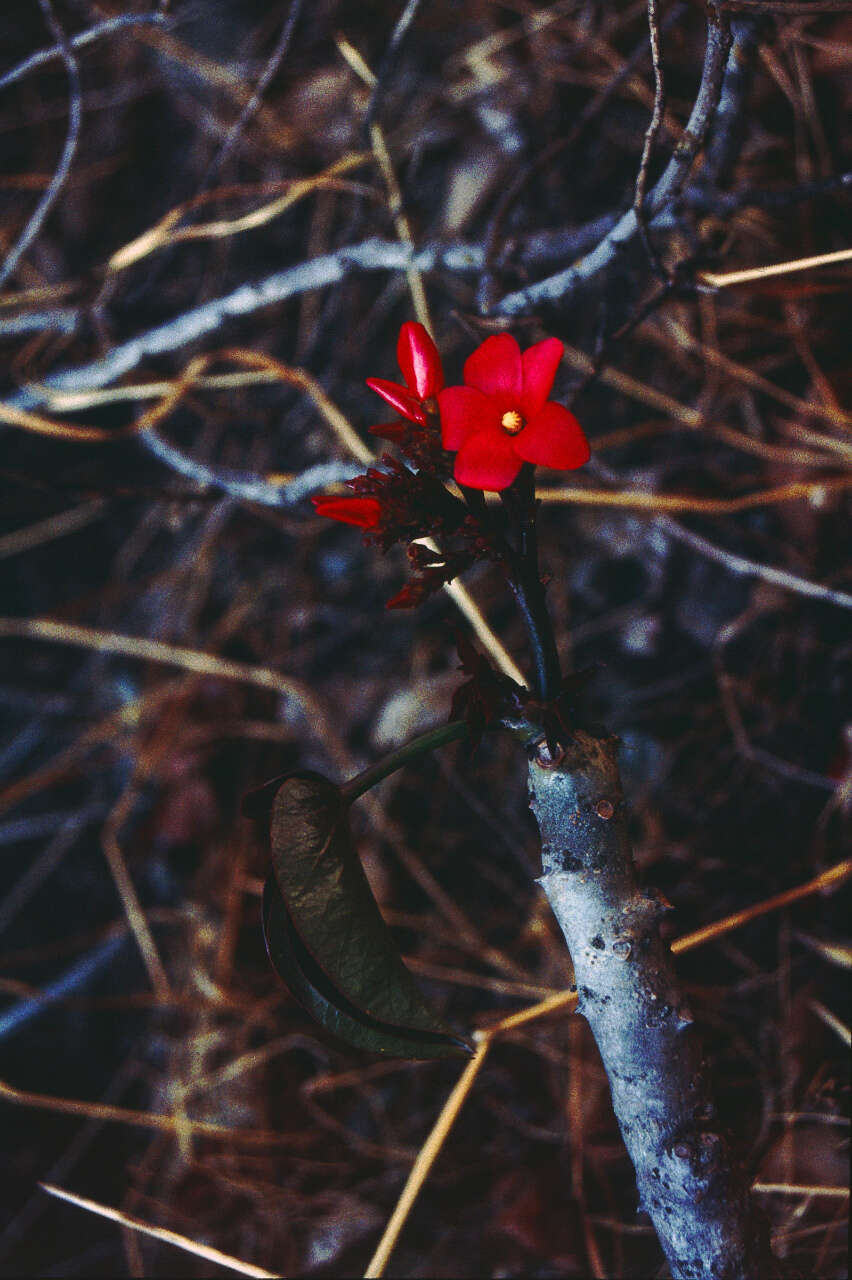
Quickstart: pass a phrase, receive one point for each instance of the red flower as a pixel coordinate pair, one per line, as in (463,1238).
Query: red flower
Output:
(363,512)
(421,367)
(502,418)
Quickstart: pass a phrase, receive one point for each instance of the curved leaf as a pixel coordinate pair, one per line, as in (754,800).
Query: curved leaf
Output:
(348,955)
(295,965)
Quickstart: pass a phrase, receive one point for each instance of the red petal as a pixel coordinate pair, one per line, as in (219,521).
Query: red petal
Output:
(539,364)
(487,461)
(495,369)
(363,512)
(554,438)
(419,360)
(399,398)
(464,411)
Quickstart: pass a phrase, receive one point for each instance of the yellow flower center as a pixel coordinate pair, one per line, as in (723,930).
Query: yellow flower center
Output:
(512,422)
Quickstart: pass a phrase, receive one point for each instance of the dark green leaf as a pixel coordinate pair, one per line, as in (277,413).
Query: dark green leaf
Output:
(355,966)
(295,965)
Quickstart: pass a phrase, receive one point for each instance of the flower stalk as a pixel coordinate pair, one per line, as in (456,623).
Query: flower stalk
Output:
(527,587)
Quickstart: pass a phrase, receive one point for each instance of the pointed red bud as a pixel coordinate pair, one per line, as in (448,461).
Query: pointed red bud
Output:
(363,512)
(399,398)
(419,361)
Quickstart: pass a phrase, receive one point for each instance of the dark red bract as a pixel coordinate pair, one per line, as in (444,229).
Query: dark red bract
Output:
(502,418)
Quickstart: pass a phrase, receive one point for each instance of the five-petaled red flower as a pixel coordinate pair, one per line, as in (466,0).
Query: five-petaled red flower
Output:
(502,418)
(366,513)
(420,363)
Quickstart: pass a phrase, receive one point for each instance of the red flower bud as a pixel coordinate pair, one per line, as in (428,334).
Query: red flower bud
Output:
(421,367)
(419,361)
(399,398)
(366,513)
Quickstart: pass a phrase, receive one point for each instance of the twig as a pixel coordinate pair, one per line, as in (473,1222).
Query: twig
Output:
(425,1159)
(57,320)
(730,122)
(403,229)
(699,197)
(723,280)
(470,610)
(744,567)
(239,484)
(244,486)
(794,7)
(837,1025)
(654,503)
(571,243)
(126,890)
(63,167)
(73,979)
(45,862)
(557,287)
(156,651)
(166,232)
(388,62)
(794,1189)
(650,138)
(376,135)
(247,298)
(250,108)
(58,526)
(825,882)
(79,41)
(108,1113)
(749,378)
(161,1233)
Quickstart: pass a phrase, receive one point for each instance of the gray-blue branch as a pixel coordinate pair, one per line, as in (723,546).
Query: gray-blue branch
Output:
(693,1188)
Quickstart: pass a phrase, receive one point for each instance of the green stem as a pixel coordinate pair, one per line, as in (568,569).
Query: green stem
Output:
(525,582)
(418,746)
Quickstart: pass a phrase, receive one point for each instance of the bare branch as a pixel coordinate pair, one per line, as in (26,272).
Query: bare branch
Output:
(651,137)
(744,567)
(80,41)
(63,168)
(388,62)
(272,64)
(199,322)
(244,485)
(557,287)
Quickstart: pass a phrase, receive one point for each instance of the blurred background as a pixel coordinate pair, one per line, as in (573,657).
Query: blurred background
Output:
(177,626)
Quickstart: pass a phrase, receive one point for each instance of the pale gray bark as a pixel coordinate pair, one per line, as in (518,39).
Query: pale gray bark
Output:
(690,1184)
